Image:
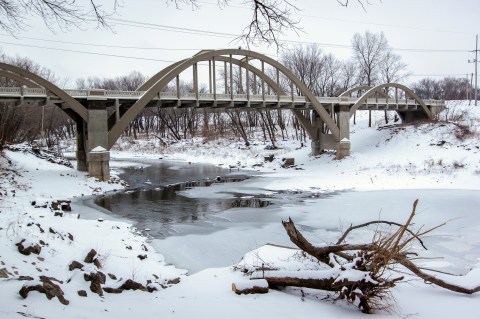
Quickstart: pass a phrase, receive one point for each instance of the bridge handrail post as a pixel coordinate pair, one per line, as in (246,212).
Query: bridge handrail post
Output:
(231,79)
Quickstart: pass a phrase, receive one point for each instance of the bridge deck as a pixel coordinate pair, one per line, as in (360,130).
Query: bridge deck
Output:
(40,95)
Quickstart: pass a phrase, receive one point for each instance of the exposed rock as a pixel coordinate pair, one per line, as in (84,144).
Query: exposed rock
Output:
(90,256)
(173,281)
(40,227)
(47,287)
(97,263)
(75,265)
(288,162)
(113,290)
(112,276)
(63,205)
(4,273)
(96,281)
(142,257)
(82,293)
(25,278)
(35,249)
(130,284)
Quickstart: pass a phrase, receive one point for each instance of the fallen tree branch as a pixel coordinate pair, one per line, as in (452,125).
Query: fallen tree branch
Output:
(321,253)
(360,271)
(434,280)
(378,222)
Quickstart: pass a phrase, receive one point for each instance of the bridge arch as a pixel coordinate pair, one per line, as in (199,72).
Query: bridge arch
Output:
(161,79)
(355,89)
(19,79)
(29,79)
(381,88)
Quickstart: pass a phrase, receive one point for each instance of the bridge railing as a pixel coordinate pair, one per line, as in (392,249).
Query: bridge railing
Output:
(9,91)
(17,92)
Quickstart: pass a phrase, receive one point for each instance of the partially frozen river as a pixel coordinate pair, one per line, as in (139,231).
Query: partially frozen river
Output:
(203,227)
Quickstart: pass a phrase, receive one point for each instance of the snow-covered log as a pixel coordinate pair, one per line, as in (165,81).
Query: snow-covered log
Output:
(254,286)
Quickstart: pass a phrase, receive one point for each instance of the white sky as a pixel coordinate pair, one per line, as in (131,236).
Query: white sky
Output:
(431,25)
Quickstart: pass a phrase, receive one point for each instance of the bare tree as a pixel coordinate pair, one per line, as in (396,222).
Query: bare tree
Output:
(14,15)
(270,18)
(448,88)
(374,59)
(369,53)
(428,89)
(392,69)
(348,76)
(305,62)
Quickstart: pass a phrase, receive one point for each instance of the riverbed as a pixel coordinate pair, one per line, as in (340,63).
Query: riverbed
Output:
(197,228)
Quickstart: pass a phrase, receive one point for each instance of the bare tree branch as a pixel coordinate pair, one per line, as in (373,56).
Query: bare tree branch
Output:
(270,19)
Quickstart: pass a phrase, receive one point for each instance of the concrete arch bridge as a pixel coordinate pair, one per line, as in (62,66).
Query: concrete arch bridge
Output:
(248,80)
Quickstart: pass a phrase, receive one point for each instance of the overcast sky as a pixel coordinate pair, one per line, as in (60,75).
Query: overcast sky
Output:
(433,37)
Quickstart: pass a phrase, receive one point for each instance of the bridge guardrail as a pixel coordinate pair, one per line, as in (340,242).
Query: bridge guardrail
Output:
(17,92)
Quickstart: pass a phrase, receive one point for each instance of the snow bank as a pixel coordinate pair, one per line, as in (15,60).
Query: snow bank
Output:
(442,155)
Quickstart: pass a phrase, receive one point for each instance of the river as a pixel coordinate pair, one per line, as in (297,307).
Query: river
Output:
(202,227)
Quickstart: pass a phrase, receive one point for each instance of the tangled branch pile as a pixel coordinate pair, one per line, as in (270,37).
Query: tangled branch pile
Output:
(360,273)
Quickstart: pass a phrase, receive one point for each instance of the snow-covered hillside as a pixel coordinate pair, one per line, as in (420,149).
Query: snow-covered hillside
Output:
(436,155)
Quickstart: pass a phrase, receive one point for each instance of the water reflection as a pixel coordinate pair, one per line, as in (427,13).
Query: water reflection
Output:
(157,205)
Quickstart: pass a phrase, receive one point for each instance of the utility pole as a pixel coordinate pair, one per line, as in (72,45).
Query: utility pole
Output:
(468,91)
(471,85)
(476,67)
(475,60)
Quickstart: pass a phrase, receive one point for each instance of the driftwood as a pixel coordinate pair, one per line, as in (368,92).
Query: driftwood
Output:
(373,262)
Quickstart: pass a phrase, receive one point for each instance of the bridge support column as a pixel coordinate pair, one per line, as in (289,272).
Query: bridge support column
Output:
(81,154)
(98,156)
(343,118)
(436,109)
(317,139)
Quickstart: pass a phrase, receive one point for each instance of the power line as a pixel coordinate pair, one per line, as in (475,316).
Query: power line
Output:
(447,74)
(358,21)
(87,52)
(154,26)
(103,45)
(167,28)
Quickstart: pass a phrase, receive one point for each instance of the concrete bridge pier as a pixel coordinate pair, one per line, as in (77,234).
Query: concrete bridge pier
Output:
(80,153)
(317,126)
(98,156)
(326,141)
(343,122)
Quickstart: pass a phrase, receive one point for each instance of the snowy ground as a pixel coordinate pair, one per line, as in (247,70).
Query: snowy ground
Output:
(428,156)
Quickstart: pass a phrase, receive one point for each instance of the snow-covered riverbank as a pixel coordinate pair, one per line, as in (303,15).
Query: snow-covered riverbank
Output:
(428,156)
